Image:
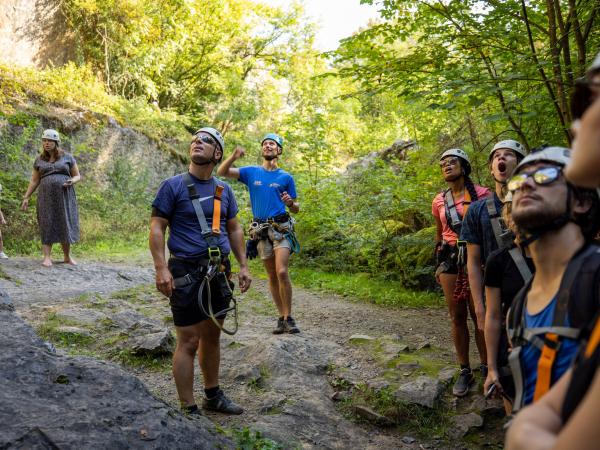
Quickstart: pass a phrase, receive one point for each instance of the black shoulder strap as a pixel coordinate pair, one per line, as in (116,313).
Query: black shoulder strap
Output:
(566,284)
(514,323)
(455,221)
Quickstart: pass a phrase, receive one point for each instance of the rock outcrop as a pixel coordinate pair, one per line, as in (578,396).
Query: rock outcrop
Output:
(51,401)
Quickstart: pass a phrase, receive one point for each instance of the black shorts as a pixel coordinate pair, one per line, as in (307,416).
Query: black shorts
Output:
(184,300)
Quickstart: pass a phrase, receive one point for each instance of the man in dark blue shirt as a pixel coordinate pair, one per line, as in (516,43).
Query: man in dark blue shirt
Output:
(189,256)
(477,229)
(271,190)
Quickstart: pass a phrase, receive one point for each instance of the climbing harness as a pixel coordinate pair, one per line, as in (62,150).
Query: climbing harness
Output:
(215,264)
(263,229)
(462,290)
(549,339)
(455,222)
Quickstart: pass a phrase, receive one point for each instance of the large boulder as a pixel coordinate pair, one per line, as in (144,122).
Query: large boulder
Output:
(424,391)
(51,401)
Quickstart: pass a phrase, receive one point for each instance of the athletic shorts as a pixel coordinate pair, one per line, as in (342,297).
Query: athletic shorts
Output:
(184,300)
(266,247)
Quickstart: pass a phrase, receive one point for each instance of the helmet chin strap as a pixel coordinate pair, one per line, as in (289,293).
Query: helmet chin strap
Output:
(555,224)
(211,160)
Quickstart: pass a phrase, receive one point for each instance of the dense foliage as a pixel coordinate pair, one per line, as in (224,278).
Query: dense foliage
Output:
(441,73)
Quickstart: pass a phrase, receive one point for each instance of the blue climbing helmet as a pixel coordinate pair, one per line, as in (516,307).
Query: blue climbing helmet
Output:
(274,137)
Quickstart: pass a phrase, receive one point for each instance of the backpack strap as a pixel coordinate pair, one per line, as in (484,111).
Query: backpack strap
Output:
(504,237)
(209,235)
(552,339)
(519,260)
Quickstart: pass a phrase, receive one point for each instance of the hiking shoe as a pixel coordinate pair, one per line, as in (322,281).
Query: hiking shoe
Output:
(192,411)
(280,328)
(465,380)
(483,368)
(3,255)
(220,403)
(291,326)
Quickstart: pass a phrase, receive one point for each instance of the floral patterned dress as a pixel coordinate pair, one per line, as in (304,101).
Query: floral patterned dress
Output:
(57,213)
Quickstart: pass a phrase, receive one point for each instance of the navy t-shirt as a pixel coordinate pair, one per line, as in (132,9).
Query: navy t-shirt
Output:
(185,235)
(477,227)
(266,187)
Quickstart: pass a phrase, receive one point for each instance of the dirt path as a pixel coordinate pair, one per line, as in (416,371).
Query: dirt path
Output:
(285,383)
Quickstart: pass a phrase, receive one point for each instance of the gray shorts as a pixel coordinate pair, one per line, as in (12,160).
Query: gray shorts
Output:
(266,247)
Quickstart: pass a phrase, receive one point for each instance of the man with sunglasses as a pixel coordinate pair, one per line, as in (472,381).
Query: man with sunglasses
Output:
(192,249)
(271,190)
(483,229)
(557,222)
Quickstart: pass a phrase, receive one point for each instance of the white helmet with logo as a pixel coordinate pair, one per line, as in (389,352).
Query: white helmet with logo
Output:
(460,154)
(51,135)
(509,144)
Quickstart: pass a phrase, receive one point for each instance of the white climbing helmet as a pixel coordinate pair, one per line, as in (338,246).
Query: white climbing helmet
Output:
(557,155)
(456,152)
(215,134)
(509,144)
(51,135)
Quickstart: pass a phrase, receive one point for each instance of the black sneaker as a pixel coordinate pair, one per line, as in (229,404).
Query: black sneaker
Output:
(192,411)
(465,380)
(280,328)
(483,368)
(291,326)
(220,403)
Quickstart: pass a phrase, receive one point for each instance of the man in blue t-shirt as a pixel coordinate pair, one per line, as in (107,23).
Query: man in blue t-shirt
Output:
(271,190)
(180,277)
(477,229)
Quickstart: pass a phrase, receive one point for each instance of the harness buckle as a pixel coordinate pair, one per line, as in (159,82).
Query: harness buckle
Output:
(214,254)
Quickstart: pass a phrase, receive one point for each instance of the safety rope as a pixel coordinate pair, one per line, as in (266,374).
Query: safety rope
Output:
(210,274)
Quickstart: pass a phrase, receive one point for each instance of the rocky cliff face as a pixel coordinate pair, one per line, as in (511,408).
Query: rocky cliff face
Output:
(60,402)
(32,34)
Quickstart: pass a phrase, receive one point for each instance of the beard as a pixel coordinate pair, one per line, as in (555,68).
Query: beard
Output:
(532,219)
(270,157)
(201,160)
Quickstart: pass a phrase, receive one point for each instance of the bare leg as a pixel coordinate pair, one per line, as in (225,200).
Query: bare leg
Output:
(209,354)
(46,251)
(479,334)
(66,247)
(183,362)
(282,261)
(274,284)
(458,315)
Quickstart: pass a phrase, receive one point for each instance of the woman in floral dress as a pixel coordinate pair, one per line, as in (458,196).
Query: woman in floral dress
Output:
(55,172)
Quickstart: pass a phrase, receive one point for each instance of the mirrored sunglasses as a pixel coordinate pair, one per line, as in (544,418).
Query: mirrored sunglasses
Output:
(541,177)
(205,139)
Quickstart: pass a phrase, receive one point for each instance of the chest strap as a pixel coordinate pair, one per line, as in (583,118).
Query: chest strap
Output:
(504,237)
(210,235)
(522,267)
(455,223)
(549,345)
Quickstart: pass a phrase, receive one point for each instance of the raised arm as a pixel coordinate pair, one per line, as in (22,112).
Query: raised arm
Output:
(226,169)
(34,182)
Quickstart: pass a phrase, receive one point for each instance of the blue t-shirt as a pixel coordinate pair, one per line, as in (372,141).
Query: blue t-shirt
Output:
(477,227)
(185,234)
(530,354)
(266,187)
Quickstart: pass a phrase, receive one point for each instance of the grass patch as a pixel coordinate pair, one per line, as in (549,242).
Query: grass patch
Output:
(365,287)
(155,363)
(425,422)
(248,439)
(7,277)
(144,293)
(258,303)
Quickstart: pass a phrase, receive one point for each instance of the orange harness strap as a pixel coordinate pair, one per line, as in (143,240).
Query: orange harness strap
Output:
(594,340)
(545,363)
(216,220)
(466,202)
